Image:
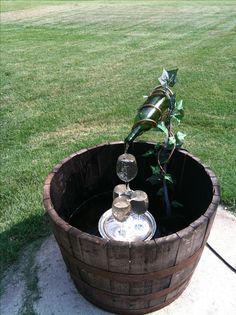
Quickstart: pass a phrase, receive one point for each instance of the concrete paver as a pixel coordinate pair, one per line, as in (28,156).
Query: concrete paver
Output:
(223,236)
(212,289)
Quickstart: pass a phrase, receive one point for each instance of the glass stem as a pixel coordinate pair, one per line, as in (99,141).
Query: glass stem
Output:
(122,229)
(139,222)
(127,186)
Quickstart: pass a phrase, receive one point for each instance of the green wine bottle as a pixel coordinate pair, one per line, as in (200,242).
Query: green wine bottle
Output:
(151,112)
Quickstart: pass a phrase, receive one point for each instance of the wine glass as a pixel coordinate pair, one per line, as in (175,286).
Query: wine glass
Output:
(126,169)
(121,209)
(139,205)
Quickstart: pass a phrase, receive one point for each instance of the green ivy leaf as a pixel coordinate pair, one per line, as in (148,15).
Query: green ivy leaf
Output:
(178,112)
(171,142)
(172,77)
(179,105)
(179,116)
(164,78)
(162,127)
(179,137)
(168,178)
(168,78)
(155,170)
(155,179)
(176,204)
(149,153)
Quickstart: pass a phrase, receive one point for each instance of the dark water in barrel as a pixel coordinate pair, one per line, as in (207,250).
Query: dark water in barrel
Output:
(87,215)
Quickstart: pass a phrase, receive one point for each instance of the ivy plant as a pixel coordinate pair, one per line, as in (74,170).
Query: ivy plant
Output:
(172,140)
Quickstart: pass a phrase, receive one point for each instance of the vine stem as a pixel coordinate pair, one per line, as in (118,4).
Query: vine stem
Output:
(163,170)
(170,134)
(166,196)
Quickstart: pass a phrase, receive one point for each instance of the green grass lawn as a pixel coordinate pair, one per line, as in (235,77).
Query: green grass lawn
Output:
(73,74)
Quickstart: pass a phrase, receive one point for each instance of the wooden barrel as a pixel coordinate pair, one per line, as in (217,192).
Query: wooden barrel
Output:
(129,277)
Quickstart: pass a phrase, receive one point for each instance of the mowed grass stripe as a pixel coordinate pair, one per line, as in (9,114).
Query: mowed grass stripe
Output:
(73,77)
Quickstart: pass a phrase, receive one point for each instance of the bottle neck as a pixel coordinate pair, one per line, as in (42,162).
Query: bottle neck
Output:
(134,133)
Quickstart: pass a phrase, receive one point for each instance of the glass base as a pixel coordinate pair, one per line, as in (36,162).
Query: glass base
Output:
(135,228)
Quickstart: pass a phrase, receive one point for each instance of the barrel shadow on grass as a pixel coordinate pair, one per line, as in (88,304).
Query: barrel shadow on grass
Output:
(14,241)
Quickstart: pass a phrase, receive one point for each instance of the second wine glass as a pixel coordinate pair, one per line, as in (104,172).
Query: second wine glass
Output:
(121,209)
(139,205)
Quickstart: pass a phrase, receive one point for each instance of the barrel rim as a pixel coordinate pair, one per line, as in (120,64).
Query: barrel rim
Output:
(78,233)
